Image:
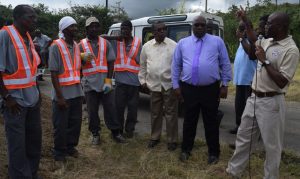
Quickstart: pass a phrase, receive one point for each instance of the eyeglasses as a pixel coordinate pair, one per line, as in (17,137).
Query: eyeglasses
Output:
(161,29)
(199,24)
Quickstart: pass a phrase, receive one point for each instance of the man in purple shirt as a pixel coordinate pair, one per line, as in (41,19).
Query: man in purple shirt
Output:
(200,64)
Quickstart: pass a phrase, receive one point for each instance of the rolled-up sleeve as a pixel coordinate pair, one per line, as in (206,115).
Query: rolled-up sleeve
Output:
(225,66)
(176,66)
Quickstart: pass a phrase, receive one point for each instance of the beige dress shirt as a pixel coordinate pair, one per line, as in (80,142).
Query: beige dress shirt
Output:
(155,64)
(284,57)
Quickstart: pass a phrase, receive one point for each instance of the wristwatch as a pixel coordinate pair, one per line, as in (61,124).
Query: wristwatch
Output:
(266,62)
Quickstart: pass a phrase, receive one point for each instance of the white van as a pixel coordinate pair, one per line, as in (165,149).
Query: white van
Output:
(178,26)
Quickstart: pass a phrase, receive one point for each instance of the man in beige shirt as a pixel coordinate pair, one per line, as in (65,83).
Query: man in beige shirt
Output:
(264,114)
(155,75)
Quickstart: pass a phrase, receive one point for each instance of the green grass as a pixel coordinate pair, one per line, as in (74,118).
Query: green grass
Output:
(135,161)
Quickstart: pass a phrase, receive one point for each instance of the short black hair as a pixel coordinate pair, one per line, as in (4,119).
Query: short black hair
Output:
(19,10)
(264,18)
(156,23)
(127,23)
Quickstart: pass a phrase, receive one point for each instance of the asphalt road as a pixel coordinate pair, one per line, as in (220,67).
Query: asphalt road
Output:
(291,137)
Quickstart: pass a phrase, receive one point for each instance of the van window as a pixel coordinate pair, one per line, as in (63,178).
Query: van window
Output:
(178,32)
(115,32)
(174,32)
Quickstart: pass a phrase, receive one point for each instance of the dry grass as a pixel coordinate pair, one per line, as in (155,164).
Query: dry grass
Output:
(293,93)
(135,161)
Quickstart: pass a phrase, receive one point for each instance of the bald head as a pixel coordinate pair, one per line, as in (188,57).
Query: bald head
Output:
(277,26)
(199,26)
(281,18)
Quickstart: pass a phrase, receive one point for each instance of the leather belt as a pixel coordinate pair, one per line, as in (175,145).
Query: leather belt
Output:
(266,94)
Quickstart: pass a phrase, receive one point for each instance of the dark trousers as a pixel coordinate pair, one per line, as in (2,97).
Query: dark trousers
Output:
(127,95)
(241,95)
(93,100)
(204,98)
(67,125)
(24,140)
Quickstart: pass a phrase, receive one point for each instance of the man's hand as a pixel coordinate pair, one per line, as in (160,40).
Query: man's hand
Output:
(107,87)
(223,92)
(145,88)
(241,14)
(260,54)
(178,94)
(62,104)
(12,105)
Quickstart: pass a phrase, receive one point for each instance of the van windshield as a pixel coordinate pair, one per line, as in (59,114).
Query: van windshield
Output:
(175,32)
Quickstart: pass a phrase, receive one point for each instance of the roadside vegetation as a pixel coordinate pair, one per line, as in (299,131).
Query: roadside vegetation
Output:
(135,161)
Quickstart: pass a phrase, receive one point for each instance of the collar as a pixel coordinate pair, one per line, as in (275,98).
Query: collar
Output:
(163,42)
(196,39)
(285,41)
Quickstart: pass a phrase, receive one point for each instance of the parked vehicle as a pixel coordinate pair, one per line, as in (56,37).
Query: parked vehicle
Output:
(178,26)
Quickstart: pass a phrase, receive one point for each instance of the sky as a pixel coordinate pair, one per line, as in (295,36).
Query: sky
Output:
(140,8)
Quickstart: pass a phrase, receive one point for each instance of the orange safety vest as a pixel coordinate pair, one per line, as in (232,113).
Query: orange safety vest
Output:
(126,62)
(25,76)
(71,74)
(95,65)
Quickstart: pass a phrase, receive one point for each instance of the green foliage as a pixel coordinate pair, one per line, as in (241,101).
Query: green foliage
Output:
(262,7)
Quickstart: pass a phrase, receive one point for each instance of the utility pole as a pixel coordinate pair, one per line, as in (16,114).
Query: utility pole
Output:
(276,3)
(106,4)
(205,5)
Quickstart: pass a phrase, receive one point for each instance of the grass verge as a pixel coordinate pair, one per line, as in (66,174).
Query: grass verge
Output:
(135,161)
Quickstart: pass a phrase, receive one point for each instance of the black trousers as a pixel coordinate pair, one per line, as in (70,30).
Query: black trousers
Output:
(241,95)
(127,96)
(67,126)
(93,100)
(206,99)
(24,141)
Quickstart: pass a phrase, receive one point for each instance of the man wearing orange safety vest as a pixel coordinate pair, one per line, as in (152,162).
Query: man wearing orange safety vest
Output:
(97,84)
(126,76)
(20,96)
(65,64)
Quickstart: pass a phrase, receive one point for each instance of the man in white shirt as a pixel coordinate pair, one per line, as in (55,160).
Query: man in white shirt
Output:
(155,74)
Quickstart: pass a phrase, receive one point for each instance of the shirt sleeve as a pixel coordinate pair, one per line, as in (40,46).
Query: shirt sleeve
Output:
(54,57)
(176,66)
(225,65)
(290,64)
(143,66)
(110,53)
(3,50)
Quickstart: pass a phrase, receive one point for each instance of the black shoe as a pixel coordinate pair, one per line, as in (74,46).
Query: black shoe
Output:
(119,138)
(212,160)
(60,158)
(73,153)
(153,143)
(232,146)
(129,134)
(233,131)
(172,146)
(184,156)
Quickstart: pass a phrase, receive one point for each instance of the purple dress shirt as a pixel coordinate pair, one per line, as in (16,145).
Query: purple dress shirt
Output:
(213,63)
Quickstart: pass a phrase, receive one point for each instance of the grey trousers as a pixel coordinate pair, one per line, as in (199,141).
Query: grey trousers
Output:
(67,126)
(24,140)
(127,96)
(164,105)
(269,122)
(93,100)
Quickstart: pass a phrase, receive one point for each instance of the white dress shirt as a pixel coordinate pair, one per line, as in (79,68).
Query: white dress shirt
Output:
(155,64)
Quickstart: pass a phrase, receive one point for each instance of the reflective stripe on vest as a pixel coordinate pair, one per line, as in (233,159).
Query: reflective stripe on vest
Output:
(25,76)
(71,73)
(96,65)
(126,62)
